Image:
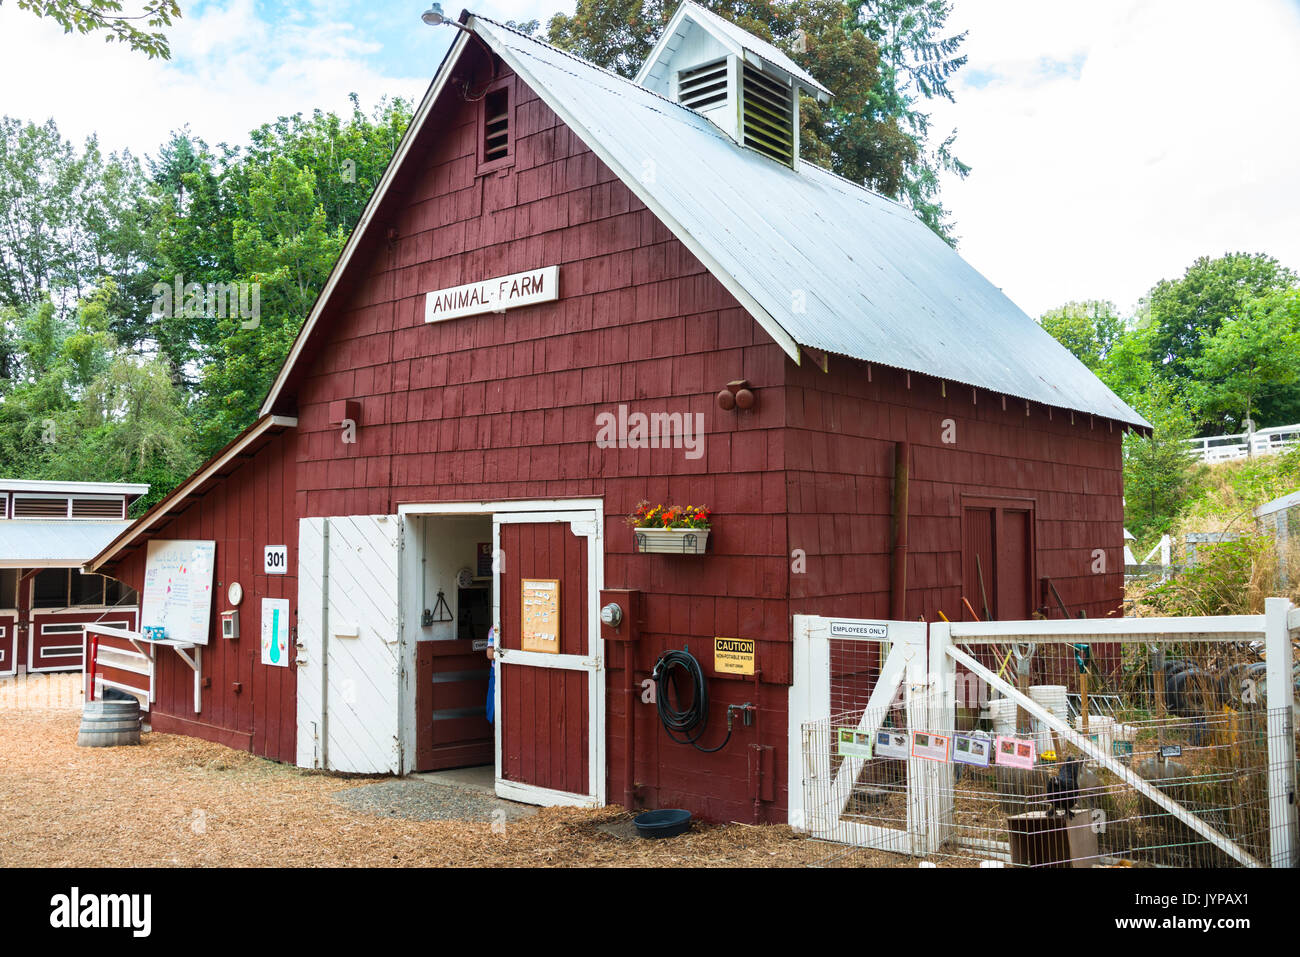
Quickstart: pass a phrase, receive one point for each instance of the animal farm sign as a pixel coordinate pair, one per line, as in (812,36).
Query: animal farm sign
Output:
(493,295)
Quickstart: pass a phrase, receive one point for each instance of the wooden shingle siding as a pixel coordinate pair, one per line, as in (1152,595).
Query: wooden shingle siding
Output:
(252,508)
(839,461)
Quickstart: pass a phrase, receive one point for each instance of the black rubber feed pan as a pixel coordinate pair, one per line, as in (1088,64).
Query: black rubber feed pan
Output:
(666,823)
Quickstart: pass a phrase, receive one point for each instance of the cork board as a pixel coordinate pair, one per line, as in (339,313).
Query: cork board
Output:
(540,604)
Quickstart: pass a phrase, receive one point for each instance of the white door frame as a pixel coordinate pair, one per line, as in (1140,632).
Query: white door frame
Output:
(586,518)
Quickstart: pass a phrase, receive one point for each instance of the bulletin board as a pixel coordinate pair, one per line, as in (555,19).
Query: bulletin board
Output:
(540,605)
(177,594)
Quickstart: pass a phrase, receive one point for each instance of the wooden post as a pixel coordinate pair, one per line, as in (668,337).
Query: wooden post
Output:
(898,576)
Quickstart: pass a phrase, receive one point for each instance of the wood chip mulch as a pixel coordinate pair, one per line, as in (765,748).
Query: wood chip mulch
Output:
(178,801)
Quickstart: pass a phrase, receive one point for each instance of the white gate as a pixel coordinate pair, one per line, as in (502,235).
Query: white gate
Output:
(1173,739)
(880,667)
(349,666)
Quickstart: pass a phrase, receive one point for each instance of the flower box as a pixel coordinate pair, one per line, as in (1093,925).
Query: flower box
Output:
(671,541)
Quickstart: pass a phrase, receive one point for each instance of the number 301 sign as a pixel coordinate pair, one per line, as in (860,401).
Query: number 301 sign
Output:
(277,559)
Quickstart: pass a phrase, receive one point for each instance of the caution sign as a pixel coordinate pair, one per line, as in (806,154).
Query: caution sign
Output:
(733,656)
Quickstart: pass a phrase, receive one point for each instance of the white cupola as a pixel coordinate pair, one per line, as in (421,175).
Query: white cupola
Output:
(745,86)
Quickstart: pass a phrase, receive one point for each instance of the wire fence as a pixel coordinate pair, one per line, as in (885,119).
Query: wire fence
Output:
(1179,774)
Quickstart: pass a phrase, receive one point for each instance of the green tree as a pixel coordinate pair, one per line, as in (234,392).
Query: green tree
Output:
(917,59)
(274,212)
(1186,312)
(68,218)
(285,248)
(130,426)
(105,16)
(1249,358)
(80,408)
(1160,471)
(1089,329)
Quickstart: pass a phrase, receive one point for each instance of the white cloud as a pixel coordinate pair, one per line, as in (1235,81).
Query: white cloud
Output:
(231,70)
(1112,144)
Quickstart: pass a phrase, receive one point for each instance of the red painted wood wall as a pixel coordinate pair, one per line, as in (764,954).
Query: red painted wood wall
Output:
(247,705)
(504,407)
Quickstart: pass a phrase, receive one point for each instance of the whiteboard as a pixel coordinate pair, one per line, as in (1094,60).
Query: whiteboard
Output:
(177,592)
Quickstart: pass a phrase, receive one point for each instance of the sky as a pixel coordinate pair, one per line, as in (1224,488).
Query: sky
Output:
(1111,143)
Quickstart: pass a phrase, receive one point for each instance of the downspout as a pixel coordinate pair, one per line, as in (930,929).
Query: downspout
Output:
(629,725)
(898,565)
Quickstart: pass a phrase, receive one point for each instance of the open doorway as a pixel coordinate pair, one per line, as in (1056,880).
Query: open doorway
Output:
(451,638)
(541,577)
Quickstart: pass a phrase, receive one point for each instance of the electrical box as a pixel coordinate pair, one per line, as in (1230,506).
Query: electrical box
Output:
(230,623)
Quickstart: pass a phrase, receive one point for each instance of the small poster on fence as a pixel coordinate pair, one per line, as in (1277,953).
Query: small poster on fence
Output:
(1015,752)
(970,749)
(854,743)
(928,745)
(891,744)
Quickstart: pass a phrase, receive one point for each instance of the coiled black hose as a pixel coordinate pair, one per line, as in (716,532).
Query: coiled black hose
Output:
(692,719)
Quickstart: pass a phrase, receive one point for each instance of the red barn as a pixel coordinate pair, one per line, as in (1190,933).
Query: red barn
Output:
(572,293)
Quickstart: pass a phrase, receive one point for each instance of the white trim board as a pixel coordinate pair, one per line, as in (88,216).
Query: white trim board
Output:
(108,489)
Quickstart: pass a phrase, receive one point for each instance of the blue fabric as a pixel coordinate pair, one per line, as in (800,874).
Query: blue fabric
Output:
(492,680)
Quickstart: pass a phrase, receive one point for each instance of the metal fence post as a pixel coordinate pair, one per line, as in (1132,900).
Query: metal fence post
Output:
(943,718)
(1281,746)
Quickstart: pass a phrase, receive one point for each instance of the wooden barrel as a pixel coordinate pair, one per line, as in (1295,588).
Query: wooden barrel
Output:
(109,723)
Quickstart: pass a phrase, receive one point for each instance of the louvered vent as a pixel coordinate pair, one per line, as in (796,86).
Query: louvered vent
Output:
(496,125)
(768,115)
(96,508)
(703,87)
(26,506)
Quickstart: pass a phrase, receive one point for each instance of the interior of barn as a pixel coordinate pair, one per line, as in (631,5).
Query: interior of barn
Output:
(455,602)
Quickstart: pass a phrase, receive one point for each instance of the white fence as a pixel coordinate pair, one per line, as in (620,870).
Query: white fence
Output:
(1239,445)
(874,723)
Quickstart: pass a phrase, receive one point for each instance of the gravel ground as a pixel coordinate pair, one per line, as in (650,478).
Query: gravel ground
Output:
(177,801)
(415,800)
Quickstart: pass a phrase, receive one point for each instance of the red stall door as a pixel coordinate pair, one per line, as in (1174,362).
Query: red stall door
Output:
(550,705)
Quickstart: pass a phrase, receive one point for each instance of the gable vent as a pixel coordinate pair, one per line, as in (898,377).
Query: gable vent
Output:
(97,508)
(496,125)
(704,86)
(39,506)
(767,113)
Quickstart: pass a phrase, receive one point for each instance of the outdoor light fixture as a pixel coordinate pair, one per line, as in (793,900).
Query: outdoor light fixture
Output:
(434,17)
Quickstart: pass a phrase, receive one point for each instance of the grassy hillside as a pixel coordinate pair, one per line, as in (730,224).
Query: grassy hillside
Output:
(1233,577)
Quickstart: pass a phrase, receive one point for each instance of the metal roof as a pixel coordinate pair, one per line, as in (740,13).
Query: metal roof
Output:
(730,35)
(63,543)
(816,259)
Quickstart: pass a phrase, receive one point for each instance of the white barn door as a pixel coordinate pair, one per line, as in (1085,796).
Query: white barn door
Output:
(349,662)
